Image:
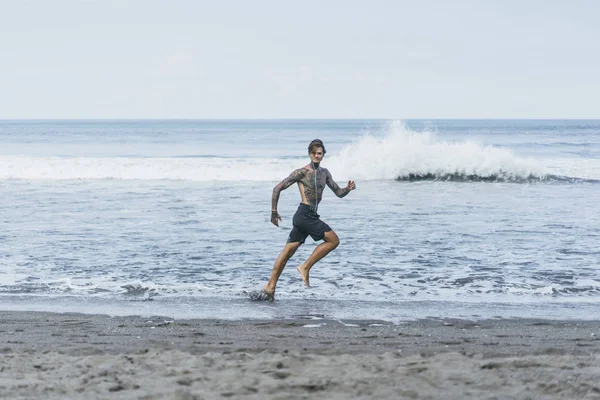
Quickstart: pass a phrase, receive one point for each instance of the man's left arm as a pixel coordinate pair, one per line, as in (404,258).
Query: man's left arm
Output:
(339,192)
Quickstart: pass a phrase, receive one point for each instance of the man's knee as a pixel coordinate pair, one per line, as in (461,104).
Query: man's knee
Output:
(332,239)
(335,242)
(290,249)
(291,252)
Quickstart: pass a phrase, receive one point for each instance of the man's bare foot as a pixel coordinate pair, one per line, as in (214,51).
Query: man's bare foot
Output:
(304,273)
(262,295)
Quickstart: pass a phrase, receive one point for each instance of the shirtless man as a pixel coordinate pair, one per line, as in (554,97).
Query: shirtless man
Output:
(311,180)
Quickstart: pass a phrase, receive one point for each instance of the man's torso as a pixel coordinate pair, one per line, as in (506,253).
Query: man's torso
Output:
(311,186)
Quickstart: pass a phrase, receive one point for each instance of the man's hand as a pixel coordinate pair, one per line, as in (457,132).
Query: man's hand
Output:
(275,218)
(351,185)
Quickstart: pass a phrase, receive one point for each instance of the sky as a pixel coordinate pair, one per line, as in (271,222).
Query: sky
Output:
(265,59)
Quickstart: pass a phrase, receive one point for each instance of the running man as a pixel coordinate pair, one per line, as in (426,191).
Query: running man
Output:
(311,180)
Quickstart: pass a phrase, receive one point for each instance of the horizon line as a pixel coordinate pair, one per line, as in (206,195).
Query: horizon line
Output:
(312,119)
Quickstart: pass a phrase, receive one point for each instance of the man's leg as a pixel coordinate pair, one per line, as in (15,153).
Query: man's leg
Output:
(287,252)
(331,241)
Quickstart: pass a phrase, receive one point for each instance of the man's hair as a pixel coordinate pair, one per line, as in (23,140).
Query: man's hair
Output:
(316,143)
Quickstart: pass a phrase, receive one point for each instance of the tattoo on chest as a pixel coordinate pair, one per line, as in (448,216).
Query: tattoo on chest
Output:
(313,188)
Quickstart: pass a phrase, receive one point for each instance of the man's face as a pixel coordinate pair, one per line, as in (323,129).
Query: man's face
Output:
(316,155)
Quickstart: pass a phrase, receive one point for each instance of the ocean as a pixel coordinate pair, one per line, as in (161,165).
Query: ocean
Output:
(450,218)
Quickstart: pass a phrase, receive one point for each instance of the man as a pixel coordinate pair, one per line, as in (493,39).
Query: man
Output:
(311,180)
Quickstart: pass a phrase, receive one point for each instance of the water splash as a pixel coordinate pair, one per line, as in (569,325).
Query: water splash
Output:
(407,155)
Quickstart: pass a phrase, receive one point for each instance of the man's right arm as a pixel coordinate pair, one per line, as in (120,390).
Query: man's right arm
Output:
(284,184)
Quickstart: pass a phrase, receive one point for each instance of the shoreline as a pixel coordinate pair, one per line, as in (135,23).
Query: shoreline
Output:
(73,355)
(241,308)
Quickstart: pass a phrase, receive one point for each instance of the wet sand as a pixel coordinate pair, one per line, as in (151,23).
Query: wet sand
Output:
(75,356)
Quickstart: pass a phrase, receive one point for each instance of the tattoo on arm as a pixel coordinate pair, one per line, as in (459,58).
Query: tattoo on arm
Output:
(339,192)
(284,184)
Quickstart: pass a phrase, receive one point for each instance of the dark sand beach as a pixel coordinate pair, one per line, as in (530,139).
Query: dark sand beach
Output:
(76,356)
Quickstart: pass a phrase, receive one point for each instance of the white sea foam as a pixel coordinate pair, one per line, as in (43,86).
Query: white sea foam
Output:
(397,153)
(124,168)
